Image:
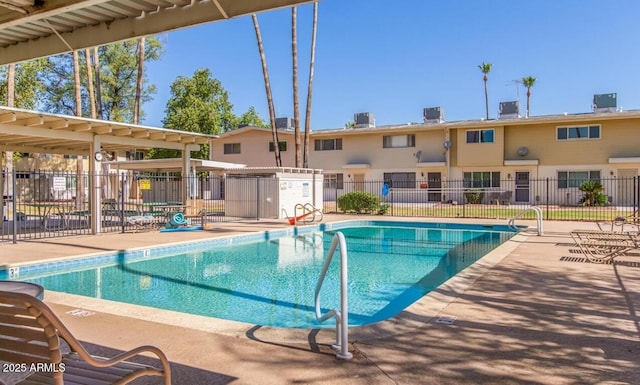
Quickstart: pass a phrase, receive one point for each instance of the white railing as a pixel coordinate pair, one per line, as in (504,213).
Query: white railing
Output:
(538,212)
(309,214)
(342,315)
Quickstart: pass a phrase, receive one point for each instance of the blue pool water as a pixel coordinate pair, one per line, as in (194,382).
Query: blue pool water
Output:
(272,281)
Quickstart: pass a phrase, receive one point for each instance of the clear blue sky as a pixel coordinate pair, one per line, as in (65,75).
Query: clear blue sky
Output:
(393,58)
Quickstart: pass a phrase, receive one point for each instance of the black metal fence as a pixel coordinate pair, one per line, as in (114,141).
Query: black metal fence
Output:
(559,199)
(52,204)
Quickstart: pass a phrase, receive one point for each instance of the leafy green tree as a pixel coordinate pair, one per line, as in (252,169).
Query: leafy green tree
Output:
(197,104)
(28,84)
(115,78)
(118,78)
(486,68)
(20,87)
(528,82)
(251,118)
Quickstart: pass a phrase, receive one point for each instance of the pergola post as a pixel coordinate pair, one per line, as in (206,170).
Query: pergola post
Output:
(95,193)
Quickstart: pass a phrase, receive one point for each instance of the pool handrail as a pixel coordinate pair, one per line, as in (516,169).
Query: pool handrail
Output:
(342,315)
(309,213)
(535,209)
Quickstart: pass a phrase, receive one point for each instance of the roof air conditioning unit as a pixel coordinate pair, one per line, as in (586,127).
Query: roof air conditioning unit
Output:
(509,110)
(433,115)
(284,124)
(364,120)
(605,102)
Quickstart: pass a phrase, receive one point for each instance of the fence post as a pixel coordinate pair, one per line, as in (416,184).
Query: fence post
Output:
(15,207)
(547,196)
(122,192)
(258,199)
(636,181)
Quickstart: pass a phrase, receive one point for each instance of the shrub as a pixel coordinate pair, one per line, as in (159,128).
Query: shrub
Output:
(593,195)
(360,202)
(474,196)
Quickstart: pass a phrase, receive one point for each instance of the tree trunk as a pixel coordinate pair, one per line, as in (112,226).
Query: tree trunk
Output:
(528,98)
(486,96)
(267,86)
(307,118)
(96,64)
(136,106)
(80,196)
(296,107)
(92,96)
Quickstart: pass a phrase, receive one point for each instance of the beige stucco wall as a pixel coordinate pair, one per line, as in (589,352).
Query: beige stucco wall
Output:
(368,149)
(617,139)
(254,148)
(480,154)
(55,162)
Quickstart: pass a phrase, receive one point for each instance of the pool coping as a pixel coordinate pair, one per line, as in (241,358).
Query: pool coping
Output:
(416,315)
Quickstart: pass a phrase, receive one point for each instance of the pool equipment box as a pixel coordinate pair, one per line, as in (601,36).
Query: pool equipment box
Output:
(271,192)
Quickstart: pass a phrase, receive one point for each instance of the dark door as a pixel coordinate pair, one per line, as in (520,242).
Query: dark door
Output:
(522,187)
(434,180)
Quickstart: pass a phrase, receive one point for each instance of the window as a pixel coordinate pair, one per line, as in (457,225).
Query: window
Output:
(400,179)
(480,136)
(232,148)
(394,141)
(334,181)
(577,133)
(573,179)
(327,144)
(481,179)
(281,145)
(131,155)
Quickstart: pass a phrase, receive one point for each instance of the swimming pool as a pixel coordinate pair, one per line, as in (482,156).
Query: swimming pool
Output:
(270,280)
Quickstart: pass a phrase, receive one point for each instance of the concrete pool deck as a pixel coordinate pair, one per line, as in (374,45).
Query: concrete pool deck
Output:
(531,312)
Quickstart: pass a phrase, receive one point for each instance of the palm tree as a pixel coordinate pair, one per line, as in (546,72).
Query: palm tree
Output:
(267,86)
(486,68)
(528,82)
(307,118)
(296,108)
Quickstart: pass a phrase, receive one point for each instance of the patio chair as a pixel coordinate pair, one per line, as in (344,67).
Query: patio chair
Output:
(30,333)
(602,246)
(621,222)
(505,198)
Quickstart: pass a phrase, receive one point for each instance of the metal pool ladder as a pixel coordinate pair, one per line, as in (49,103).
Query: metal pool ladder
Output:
(342,315)
(538,212)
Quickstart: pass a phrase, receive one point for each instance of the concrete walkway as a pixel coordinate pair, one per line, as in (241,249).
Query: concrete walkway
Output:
(531,312)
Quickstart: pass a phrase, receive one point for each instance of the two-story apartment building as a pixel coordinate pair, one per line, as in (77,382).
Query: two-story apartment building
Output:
(447,157)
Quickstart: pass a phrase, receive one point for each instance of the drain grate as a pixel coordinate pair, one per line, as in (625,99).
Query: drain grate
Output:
(446,319)
(80,313)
